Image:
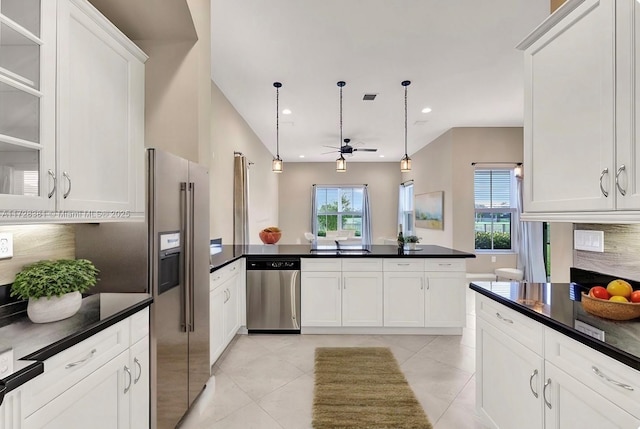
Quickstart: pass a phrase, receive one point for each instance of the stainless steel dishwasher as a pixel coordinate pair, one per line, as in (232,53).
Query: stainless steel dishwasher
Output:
(273,295)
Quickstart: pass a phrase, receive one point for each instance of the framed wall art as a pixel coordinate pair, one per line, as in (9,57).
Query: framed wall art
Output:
(429,210)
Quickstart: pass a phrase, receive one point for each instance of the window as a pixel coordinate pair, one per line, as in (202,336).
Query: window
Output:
(338,208)
(494,196)
(405,208)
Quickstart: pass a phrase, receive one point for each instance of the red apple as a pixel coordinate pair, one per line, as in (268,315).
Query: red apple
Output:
(599,292)
(635,296)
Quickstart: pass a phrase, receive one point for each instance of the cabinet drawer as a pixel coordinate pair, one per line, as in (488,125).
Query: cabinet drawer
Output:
(325,264)
(445,265)
(139,325)
(403,265)
(362,264)
(72,365)
(221,275)
(522,329)
(594,369)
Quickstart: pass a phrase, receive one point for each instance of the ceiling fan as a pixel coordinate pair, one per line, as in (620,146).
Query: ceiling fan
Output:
(348,149)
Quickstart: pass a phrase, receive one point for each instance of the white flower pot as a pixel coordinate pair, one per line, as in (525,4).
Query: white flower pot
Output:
(44,310)
(412,246)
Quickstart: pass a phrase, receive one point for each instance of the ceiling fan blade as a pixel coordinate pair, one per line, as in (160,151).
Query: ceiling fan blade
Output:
(333,147)
(333,151)
(362,149)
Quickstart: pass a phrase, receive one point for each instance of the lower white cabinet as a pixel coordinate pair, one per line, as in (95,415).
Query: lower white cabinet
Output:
(139,364)
(445,299)
(10,415)
(404,299)
(361,299)
(224,308)
(321,298)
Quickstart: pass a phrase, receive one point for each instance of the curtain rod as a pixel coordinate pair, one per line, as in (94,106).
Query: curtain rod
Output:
(340,186)
(236,153)
(506,162)
(405,183)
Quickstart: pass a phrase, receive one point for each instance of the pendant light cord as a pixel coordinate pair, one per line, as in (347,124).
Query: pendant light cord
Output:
(277,85)
(405,120)
(340,119)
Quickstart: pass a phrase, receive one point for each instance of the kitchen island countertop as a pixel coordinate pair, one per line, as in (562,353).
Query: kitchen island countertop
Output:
(229,253)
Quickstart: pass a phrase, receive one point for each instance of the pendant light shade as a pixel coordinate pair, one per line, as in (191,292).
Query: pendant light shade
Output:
(405,162)
(341,163)
(276,164)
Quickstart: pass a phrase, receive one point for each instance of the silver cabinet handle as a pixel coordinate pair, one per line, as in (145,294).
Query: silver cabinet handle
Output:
(620,170)
(504,319)
(610,380)
(444,265)
(53,176)
(428,284)
(403,265)
(605,193)
(81,361)
(137,362)
(66,176)
(421,283)
(544,393)
(128,371)
(533,374)
(233,268)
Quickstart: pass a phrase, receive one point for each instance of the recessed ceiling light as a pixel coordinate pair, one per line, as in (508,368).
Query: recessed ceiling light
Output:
(425,110)
(288,112)
(301,156)
(381,156)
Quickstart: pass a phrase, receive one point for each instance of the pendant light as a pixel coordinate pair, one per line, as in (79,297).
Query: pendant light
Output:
(341,163)
(276,164)
(405,162)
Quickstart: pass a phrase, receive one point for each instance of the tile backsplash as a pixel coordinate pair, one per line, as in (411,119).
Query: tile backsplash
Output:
(35,242)
(621,255)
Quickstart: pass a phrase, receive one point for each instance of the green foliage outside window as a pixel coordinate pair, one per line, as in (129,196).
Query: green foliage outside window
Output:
(501,240)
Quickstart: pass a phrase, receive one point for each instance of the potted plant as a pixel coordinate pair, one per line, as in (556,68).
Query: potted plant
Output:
(54,288)
(412,240)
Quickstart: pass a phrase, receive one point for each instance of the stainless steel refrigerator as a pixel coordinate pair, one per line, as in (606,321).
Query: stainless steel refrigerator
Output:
(169,255)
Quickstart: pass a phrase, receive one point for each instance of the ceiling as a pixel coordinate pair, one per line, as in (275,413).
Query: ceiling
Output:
(459,55)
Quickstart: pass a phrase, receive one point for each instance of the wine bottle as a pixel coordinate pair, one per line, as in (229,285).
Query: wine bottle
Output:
(400,237)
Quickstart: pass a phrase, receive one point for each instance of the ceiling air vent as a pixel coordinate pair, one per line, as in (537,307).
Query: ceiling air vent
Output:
(369,97)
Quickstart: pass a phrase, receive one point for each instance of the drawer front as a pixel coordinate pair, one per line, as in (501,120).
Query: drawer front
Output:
(601,373)
(403,265)
(362,264)
(321,264)
(72,365)
(139,325)
(526,331)
(445,265)
(220,276)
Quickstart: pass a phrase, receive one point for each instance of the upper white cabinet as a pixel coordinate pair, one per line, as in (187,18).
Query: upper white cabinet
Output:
(72,138)
(581,103)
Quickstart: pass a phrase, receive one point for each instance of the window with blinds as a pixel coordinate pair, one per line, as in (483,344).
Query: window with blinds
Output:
(494,201)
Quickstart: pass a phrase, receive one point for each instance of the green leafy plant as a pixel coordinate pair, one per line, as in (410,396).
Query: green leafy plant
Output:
(412,239)
(501,240)
(54,278)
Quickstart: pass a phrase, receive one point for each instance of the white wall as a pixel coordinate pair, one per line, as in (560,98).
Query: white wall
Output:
(229,133)
(382,178)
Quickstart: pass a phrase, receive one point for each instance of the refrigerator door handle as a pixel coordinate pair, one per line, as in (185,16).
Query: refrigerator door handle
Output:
(184,307)
(294,316)
(191,254)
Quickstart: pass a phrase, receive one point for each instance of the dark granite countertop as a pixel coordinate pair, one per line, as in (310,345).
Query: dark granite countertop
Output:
(229,253)
(558,306)
(32,343)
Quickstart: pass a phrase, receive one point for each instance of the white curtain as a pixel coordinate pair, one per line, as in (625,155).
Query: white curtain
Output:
(366,218)
(530,242)
(314,224)
(240,200)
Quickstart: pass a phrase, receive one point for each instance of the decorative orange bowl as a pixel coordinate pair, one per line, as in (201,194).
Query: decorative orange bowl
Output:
(270,237)
(610,309)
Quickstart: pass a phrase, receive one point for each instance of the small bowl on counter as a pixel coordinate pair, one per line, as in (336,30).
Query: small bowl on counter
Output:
(610,309)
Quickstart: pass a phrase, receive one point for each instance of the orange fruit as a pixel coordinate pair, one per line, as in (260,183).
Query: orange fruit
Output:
(619,287)
(618,298)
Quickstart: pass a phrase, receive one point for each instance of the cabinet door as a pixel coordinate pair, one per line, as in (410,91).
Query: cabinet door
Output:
(362,299)
(572,405)
(404,299)
(100,112)
(627,105)
(99,401)
(216,320)
(508,381)
(139,400)
(10,411)
(321,299)
(445,299)
(231,315)
(569,126)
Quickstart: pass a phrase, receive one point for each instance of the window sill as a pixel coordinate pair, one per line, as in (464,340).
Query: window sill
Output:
(495,252)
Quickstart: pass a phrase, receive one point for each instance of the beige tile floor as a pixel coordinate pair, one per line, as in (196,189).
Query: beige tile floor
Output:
(266,381)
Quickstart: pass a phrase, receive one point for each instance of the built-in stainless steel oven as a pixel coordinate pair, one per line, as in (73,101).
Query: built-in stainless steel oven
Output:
(273,295)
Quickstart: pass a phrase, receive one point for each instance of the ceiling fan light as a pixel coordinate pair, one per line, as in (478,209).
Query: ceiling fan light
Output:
(276,165)
(405,164)
(341,164)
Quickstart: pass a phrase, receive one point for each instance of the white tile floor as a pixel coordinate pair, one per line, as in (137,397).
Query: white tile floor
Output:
(266,381)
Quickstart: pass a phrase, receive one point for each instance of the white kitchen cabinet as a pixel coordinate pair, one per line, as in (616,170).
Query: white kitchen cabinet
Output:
(445,299)
(217,338)
(581,114)
(362,298)
(139,403)
(321,298)
(231,315)
(404,299)
(507,373)
(98,401)
(75,141)
(10,415)
(569,404)
(224,301)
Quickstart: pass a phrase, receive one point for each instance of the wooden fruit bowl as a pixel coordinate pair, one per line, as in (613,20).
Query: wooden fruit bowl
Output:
(610,309)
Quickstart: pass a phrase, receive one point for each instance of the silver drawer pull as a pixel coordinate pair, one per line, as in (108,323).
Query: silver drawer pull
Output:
(81,361)
(610,380)
(504,319)
(544,393)
(128,371)
(403,265)
(137,362)
(533,374)
(445,265)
